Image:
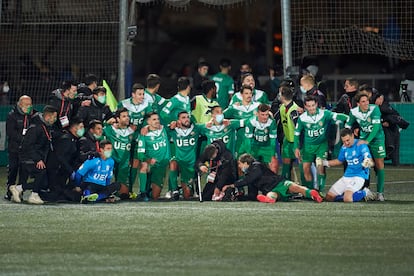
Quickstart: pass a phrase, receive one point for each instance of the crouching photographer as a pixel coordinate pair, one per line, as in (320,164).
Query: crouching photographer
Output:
(218,163)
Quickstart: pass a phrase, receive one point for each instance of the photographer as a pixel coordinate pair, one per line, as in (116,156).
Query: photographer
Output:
(391,122)
(219,164)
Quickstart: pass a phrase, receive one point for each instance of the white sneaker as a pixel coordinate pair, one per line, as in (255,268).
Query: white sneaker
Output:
(168,195)
(380,197)
(34,198)
(369,196)
(16,195)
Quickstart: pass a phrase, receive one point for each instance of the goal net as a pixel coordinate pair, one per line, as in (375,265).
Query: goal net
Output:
(326,27)
(45,42)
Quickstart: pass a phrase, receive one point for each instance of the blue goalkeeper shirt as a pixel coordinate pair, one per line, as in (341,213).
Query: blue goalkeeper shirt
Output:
(354,156)
(97,171)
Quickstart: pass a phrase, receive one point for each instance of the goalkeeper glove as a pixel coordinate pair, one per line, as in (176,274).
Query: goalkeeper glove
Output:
(367,163)
(321,162)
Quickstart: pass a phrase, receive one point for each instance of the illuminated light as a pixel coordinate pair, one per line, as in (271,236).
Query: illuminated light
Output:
(277,50)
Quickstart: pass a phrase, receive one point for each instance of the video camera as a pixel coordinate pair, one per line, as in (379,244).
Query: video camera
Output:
(404,95)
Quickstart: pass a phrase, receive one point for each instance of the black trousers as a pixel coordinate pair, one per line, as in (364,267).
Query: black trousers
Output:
(40,177)
(13,168)
(104,191)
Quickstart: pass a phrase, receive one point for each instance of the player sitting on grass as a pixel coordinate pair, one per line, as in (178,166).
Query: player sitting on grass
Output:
(358,158)
(95,175)
(258,177)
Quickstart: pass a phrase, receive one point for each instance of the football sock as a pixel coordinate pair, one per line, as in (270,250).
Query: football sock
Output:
(142,182)
(101,196)
(321,182)
(302,175)
(380,180)
(357,196)
(132,176)
(173,180)
(286,171)
(307,193)
(86,192)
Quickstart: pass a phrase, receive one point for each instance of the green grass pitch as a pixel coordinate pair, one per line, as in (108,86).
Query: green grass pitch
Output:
(192,238)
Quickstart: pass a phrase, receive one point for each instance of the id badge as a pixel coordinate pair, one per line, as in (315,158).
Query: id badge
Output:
(24,131)
(64,121)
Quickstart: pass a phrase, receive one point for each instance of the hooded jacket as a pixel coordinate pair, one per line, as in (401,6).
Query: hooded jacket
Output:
(224,165)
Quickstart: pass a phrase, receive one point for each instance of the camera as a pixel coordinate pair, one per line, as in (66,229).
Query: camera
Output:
(132,32)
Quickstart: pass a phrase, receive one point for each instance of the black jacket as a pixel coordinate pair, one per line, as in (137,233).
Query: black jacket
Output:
(37,143)
(88,147)
(346,103)
(63,105)
(96,111)
(319,95)
(258,177)
(224,165)
(65,157)
(15,123)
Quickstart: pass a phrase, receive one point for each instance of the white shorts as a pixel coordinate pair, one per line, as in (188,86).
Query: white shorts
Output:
(354,184)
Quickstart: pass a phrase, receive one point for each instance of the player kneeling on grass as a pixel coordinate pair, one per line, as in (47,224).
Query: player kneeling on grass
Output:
(357,156)
(95,175)
(273,187)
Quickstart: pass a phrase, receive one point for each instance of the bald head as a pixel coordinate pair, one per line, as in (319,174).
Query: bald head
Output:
(25,104)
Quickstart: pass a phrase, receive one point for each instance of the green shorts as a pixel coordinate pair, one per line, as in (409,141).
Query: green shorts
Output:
(158,171)
(282,189)
(264,154)
(310,152)
(187,172)
(288,151)
(121,172)
(377,149)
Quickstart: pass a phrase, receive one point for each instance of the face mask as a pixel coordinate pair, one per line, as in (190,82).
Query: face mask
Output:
(102,99)
(244,169)
(73,96)
(80,132)
(107,153)
(97,137)
(303,90)
(6,89)
(29,110)
(219,118)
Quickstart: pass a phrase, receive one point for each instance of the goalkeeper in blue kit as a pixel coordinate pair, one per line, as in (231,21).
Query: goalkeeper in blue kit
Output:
(349,188)
(95,176)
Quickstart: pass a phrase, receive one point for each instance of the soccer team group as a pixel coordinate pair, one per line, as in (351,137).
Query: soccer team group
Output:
(76,149)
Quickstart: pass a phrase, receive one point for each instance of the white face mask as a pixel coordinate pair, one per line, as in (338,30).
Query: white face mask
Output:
(303,90)
(6,89)
(219,118)
(102,99)
(107,153)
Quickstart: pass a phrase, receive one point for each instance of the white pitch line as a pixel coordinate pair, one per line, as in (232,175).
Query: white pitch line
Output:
(151,206)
